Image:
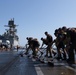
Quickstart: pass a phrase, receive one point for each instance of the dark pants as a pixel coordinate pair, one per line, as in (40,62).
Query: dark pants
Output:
(49,50)
(71,53)
(34,51)
(61,46)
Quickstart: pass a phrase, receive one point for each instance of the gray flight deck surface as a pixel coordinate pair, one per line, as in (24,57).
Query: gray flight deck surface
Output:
(28,66)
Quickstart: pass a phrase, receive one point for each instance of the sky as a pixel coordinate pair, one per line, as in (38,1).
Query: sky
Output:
(34,17)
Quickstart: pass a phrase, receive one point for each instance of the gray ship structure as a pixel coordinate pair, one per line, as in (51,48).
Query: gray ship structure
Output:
(10,37)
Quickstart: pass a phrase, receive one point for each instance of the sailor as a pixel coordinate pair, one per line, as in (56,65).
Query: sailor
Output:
(35,47)
(29,44)
(49,39)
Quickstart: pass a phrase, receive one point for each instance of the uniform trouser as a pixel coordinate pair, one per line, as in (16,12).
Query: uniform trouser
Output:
(71,53)
(49,50)
(34,51)
(59,53)
(61,46)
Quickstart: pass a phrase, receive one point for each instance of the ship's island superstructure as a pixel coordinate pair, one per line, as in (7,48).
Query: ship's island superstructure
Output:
(10,37)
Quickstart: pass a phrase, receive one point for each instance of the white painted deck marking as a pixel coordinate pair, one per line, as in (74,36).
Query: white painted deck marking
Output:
(70,68)
(38,70)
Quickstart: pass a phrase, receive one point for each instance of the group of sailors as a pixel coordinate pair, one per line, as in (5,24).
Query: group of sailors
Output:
(65,42)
